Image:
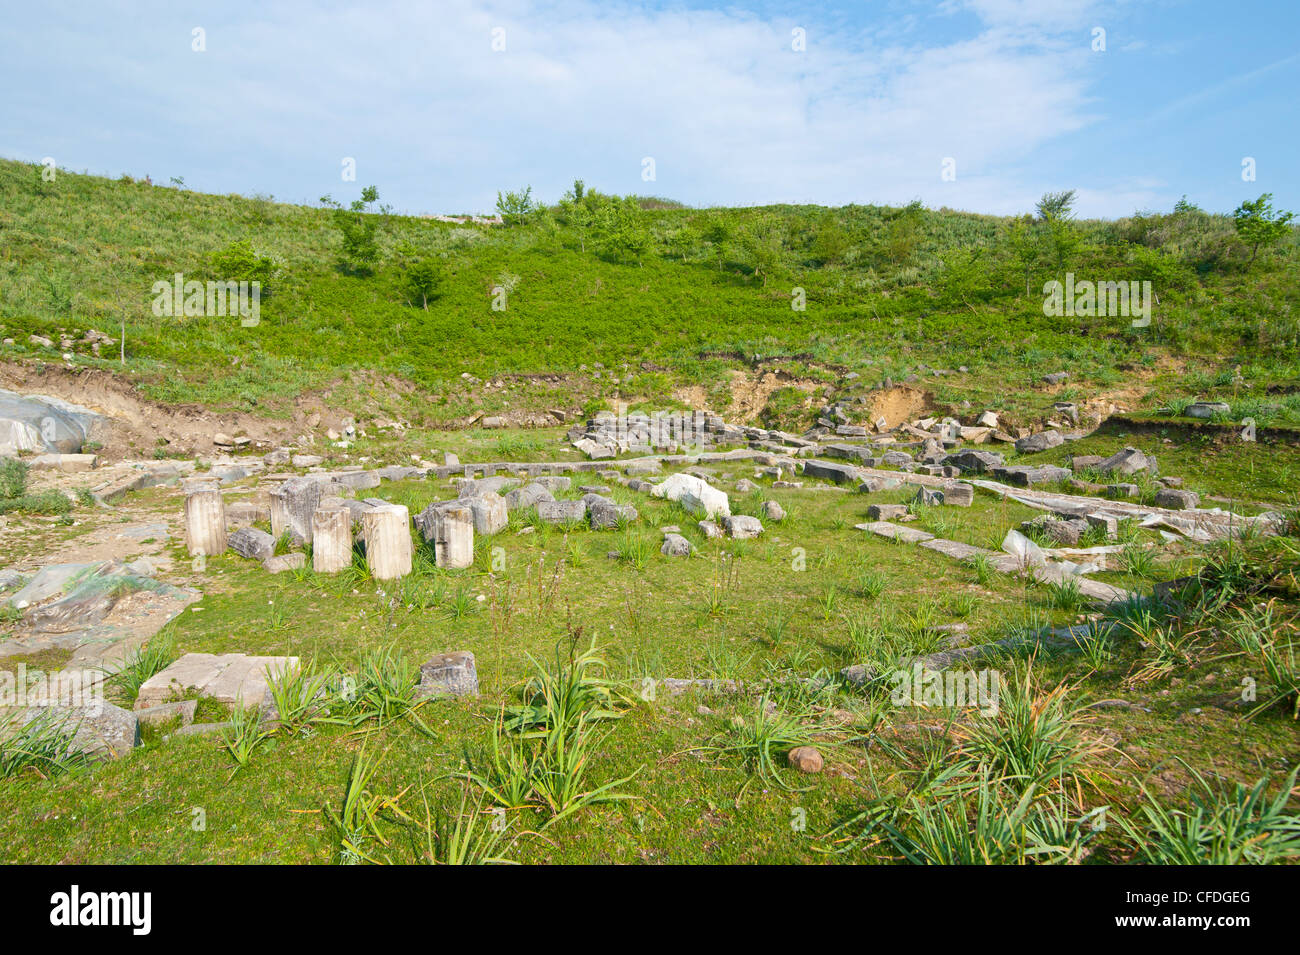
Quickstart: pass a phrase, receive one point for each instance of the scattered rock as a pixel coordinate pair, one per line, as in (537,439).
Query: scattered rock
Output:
(252,543)
(1177,500)
(742,526)
(448,674)
(675,545)
(1043,441)
(806,759)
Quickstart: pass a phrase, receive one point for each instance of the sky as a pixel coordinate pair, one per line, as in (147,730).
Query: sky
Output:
(981,105)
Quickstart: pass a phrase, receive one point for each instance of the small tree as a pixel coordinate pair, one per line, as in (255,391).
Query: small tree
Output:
(1025,250)
(1056,205)
(1259,226)
(358,227)
(238,262)
(717,233)
(620,229)
(422,281)
(515,208)
(763,242)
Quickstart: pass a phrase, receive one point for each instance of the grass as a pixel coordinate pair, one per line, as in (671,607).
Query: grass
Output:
(678,790)
(1236,825)
(83,252)
(39,748)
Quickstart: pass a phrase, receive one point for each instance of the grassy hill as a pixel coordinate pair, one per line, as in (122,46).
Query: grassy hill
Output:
(890,293)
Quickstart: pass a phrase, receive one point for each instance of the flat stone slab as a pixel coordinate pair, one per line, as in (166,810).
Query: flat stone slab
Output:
(231,678)
(885,529)
(956,549)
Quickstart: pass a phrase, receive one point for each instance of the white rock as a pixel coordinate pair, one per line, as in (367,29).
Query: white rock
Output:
(695,494)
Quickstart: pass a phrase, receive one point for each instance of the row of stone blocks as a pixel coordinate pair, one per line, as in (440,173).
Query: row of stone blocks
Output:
(296,510)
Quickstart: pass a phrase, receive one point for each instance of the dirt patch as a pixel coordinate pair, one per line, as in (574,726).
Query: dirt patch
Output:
(750,392)
(898,404)
(139,425)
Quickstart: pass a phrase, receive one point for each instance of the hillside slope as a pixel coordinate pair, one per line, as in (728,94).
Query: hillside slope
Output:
(694,295)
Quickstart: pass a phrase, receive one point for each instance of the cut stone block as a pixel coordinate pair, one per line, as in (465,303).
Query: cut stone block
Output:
(561,512)
(529,495)
(387,533)
(606,517)
(244,513)
(292,505)
(1108,523)
(205,522)
(230,678)
(63,462)
(490,513)
(164,713)
(959,495)
(331,539)
(1176,500)
(886,512)
(252,543)
(742,526)
(278,565)
(885,529)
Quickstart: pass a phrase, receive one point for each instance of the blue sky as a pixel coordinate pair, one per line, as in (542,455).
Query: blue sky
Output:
(885,90)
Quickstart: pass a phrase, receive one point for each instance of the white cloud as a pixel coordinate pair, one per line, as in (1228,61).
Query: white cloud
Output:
(584,88)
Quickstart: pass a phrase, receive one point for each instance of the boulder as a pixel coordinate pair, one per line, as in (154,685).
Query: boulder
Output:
(96,728)
(1042,441)
(43,423)
(806,759)
(675,545)
(695,494)
(1128,461)
(773,511)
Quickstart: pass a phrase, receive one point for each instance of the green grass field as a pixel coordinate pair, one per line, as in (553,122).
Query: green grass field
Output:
(1167,733)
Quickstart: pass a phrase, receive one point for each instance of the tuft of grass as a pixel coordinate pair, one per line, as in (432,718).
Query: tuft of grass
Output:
(143,662)
(1034,739)
(43,747)
(1239,826)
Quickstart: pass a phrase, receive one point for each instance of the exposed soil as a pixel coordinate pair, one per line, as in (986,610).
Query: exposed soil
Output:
(898,404)
(139,426)
(750,392)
